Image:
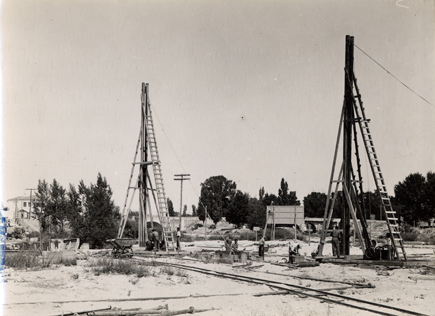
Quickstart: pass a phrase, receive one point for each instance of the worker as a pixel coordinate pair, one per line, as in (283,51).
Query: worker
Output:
(149,245)
(261,244)
(151,240)
(314,254)
(234,246)
(296,249)
(228,243)
(293,252)
(155,235)
(336,239)
(178,238)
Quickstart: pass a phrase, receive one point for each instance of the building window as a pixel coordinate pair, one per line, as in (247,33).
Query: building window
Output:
(24,204)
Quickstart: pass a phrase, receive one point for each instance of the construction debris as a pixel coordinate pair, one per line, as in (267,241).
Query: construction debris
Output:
(160,310)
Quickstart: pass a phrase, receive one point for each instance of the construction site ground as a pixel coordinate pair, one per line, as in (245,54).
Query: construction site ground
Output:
(61,289)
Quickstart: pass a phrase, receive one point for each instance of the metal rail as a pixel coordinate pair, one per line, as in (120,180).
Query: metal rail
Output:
(281,286)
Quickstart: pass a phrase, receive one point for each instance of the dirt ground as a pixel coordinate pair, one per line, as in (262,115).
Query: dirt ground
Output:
(66,289)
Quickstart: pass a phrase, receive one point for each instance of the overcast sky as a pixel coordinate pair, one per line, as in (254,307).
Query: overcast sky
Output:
(251,90)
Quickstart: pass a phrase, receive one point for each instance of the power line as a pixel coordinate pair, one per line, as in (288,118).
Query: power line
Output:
(394,76)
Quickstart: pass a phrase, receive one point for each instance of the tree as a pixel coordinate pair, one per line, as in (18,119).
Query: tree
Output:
(373,205)
(314,204)
(185,210)
(57,210)
(269,199)
(238,209)
(285,197)
(430,194)
(170,207)
(256,213)
(75,212)
(40,205)
(99,215)
(414,197)
(216,194)
(261,193)
(194,210)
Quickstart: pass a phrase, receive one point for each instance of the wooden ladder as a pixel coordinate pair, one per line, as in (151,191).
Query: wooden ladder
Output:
(390,214)
(162,203)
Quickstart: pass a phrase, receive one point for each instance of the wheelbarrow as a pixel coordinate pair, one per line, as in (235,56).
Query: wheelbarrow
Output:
(122,247)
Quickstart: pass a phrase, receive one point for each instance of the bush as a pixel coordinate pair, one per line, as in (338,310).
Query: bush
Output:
(142,271)
(17,232)
(215,237)
(68,262)
(186,238)
(33,234)
(426,235)
(108,266)
(431,240)
(197,225)
(409,236)
(283,234)
(26,260)
(167,270)
(247,235)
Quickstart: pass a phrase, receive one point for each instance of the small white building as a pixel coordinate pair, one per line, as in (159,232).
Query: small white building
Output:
(20,207)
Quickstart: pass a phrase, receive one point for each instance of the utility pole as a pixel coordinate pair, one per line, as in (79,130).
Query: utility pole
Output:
(273,222)
(181,177)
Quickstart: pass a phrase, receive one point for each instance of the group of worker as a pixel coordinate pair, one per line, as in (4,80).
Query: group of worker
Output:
(293,249)
(231,247)
(156,244)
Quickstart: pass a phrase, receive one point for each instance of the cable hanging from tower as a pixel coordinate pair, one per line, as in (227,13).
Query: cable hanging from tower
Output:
(394,76)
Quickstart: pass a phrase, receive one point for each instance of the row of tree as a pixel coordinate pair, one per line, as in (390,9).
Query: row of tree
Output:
(414,197)
(413,201)
(220,198)
(91,214)
(173,213)
(88,210)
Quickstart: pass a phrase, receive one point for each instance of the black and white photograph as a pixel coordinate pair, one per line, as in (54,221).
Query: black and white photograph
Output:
(216,157)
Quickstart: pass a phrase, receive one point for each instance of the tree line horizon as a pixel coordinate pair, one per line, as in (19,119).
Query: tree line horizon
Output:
(90,214)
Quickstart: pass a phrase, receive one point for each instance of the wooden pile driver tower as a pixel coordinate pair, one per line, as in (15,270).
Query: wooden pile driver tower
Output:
(353,119)
(149,156)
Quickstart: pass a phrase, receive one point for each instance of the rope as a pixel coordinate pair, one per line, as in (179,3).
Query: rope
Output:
(178,159)
(394,76)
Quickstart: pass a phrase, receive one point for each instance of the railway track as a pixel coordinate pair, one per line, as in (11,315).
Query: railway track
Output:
(298,290)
